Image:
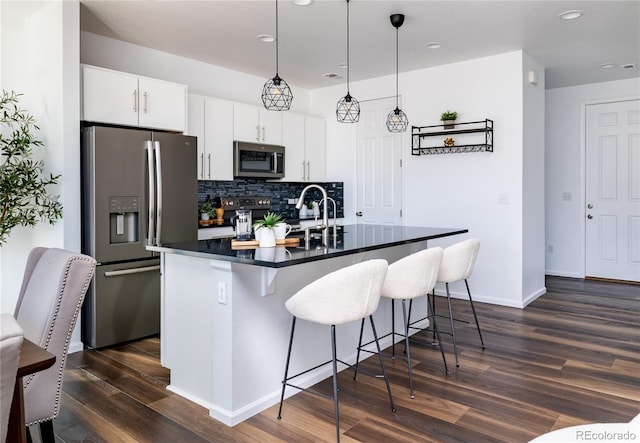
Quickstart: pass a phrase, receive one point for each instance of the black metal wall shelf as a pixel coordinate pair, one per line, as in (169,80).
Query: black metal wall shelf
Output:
(421,134)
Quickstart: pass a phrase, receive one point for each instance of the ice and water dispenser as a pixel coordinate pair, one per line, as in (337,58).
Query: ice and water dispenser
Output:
(123,219)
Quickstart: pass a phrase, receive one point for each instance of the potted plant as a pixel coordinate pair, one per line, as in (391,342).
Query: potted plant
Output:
(264,229)
(24,199)
(448,118)
(206,210)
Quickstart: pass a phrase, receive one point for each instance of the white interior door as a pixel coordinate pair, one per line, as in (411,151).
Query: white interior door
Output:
(613,190)
(378,166)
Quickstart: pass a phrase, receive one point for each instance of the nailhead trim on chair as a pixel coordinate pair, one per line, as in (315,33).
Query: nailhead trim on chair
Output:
(67,340)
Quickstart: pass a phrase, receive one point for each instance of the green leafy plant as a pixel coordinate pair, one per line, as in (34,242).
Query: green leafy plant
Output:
(449,115)
(207,208)
(24,200)
(309,205)
(269,220)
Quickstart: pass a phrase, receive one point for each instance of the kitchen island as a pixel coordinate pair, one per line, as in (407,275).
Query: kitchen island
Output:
(224,327)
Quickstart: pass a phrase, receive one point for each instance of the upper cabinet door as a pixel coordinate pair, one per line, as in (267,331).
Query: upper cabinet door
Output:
(270,127)
(257,125)
(219,138)
(109,97)
(195,127)
(293,141)
(246,123)
(125,99)
(162,105)
(315,148)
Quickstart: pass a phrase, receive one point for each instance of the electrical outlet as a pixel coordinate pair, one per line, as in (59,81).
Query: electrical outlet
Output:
(567,196)
(503,199)
(550,249)
(291,201)
(222,293)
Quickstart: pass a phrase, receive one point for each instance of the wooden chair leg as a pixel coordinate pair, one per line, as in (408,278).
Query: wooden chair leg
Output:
(46,432)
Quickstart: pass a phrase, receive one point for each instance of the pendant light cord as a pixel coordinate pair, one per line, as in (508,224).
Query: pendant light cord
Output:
(396,68)
(348,63)
(277,38)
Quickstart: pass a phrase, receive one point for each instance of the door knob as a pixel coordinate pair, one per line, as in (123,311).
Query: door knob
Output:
(589,216)
(359,213)
(590,206)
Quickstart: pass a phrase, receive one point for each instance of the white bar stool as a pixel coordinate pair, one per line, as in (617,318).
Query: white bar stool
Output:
(340,297)
(457,265)
(408,278)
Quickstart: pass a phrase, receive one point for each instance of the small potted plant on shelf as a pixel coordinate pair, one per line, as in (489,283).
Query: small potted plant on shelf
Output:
(448,118)
(264,229)
(206,210)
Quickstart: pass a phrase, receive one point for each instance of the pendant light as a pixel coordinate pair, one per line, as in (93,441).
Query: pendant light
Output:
(276,94)
(348,108)
(397,120)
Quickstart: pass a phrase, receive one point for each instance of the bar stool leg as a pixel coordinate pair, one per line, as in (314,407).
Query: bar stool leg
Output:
(453,331)
(436,334)
(286,368)
(393,329)
(335,380)
(384,371)
(406,345)
(355,371)
(473,309)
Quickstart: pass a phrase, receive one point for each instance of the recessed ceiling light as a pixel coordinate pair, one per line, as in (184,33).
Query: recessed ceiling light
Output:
(607,65)
(570,15)
(433,45)
(266,38)
(343,65)
(302,2)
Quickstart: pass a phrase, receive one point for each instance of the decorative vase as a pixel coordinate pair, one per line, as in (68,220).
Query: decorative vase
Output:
(303,211)
(219,214)
(449,124)
(316,209)
(267,238)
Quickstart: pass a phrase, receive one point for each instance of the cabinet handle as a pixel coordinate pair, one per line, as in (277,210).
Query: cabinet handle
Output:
(263,133)
(258,133)
(304,172)
(308,170)
(145,101)
(135,101)
(202,165)
(209,165)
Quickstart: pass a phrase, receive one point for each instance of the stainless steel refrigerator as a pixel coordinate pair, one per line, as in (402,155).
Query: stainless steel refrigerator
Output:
(138,187)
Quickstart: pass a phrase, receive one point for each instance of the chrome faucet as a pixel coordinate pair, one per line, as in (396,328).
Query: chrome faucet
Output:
(335,222)
(325,214)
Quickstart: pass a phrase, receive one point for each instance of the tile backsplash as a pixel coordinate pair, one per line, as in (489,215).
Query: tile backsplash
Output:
(278,192)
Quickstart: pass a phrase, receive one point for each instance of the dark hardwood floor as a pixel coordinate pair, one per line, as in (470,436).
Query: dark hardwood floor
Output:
(571,357)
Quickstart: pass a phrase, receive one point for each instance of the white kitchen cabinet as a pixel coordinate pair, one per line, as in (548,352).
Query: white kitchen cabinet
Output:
(256,124)
(304,141)
(125,99)
(211,120)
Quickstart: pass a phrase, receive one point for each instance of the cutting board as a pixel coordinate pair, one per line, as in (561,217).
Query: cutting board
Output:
(253,244)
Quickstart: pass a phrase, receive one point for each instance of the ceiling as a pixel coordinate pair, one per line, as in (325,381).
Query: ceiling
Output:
(312,39)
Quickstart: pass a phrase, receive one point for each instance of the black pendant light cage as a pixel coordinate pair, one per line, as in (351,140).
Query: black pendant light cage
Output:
(348,108)
(276,93)
(397,120)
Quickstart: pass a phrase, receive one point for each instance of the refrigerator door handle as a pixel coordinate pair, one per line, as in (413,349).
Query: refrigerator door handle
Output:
(131,271)
(152,193)
(156,148)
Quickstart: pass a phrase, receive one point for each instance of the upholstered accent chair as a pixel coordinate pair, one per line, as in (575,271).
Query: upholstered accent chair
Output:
(53,289)
(10,344)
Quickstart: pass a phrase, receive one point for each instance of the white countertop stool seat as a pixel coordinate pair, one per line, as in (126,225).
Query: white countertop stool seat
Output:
(457,265)
(408,278)
(347,295)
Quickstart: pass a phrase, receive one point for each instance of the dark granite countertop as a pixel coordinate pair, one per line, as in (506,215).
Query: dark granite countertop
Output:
(353,239)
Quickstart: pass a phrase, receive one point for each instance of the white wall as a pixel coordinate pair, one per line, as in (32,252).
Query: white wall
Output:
(533,222)
(461,190)
(201,78)
(40,56)
(564,165)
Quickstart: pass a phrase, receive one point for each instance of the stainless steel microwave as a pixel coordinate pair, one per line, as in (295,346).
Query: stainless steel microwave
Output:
(255,160)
